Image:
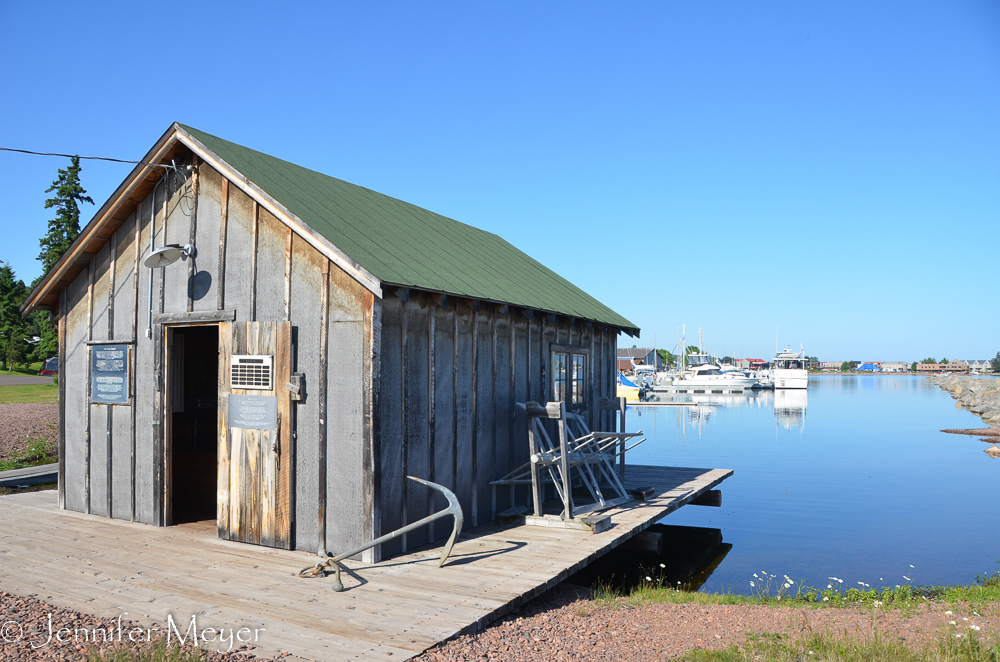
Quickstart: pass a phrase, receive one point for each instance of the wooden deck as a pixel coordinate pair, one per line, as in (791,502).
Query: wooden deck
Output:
(392,610)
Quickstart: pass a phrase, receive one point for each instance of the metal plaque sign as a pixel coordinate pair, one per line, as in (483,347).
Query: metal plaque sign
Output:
(109,374)
(257,412)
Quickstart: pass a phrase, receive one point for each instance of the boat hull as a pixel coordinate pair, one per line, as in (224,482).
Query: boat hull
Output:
(790,378)
(630,393)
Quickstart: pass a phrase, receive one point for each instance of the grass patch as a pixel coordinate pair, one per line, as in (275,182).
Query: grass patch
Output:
(965,647)
(783,591)
(158,651)
(28,393)
(38,452)
(31,369)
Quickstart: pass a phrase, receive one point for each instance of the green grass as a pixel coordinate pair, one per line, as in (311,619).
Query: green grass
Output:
(38,452)
(774,591)
(26,393)
(154,652)
(30,369)
(969,647)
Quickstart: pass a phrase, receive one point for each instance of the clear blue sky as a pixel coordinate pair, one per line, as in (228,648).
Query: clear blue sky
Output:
(826,171)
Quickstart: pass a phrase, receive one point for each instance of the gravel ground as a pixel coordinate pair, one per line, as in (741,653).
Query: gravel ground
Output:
(567,625)
(24,633)
(20,421)
(563,624)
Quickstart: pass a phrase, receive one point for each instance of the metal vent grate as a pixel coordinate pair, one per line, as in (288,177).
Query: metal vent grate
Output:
(251,372)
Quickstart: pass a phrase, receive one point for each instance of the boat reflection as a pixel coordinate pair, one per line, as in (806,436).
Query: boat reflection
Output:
(789,407)
(689,556)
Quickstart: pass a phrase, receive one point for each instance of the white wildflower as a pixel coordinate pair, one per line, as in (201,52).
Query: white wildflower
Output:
(752,584)
(952,623)
(949,613)
(649,579)
(974,627)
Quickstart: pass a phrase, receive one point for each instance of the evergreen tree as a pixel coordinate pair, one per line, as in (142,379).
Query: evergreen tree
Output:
(995,363)
(13,349)
(65,227)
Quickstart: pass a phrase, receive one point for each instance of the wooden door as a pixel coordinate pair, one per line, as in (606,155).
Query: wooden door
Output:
(255,465)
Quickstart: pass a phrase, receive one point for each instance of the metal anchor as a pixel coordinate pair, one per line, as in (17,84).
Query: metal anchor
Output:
(454,508)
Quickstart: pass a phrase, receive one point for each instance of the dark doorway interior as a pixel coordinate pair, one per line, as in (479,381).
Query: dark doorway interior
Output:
(195,426)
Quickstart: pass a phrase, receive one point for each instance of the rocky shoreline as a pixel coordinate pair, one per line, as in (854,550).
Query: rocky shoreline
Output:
(977,394)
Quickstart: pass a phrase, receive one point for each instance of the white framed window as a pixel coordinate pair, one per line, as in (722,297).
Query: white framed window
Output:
(570,369)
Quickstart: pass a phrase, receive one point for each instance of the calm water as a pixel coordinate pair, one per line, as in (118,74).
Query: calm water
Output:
(852,478)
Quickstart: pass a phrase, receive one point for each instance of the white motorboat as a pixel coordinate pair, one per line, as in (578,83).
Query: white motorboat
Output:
(710,377)
(789,370)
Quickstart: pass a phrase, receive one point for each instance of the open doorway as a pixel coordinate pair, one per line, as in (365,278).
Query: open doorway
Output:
(194,425)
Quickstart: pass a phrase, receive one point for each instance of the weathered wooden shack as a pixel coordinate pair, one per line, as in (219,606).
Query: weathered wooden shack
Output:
(317,343)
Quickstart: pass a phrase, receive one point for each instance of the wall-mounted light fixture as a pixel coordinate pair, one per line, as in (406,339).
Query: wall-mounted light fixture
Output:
(168,254)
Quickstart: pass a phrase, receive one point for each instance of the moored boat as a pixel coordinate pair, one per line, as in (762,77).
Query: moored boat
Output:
(627,389)
(708,377)
(789,370)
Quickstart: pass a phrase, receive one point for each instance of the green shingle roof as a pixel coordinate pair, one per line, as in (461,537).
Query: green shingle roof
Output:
(402,244)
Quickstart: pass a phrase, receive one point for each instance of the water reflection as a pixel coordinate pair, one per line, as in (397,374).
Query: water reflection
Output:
(689,555)
(789,407)
(870,489)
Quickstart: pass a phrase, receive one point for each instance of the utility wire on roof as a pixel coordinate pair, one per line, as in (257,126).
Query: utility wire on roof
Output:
(92,158)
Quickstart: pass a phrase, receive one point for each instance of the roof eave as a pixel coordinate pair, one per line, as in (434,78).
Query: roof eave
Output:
(77,254)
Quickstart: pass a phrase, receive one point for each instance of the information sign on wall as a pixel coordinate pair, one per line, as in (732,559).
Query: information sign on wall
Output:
(109,374)
(257,412)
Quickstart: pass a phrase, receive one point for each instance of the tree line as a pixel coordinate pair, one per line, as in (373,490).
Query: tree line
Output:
(24,341)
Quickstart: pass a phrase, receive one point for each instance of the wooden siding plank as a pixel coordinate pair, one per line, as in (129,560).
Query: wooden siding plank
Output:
(373,438)
(415,403)
(390,415)
(239,248)
(269,283)
(465,365)
(193,234)
(203,277)
(485,411)
(88,436)
(324,352)
(179,204)
(345,393)
(308,272)
(144,390)
(443,411)
(223,525)
(220,280)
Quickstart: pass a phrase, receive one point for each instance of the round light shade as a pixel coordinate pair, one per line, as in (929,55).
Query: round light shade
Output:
(165,255)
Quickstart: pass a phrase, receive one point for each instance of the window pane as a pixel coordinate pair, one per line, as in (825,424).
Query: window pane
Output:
(579,378)
(559,369)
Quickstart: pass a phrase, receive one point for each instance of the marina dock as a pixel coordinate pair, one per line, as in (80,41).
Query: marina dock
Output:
(391,610)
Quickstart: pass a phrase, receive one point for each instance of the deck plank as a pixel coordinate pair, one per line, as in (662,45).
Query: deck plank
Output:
(391,610)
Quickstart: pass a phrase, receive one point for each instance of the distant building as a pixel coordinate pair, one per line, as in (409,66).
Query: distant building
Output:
(830,365)
(954,366)
(641,355)
(895,366)
(981,366)
(752,364)
(869,366)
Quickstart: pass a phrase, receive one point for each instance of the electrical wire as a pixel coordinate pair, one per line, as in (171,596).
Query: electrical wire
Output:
(92,158)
